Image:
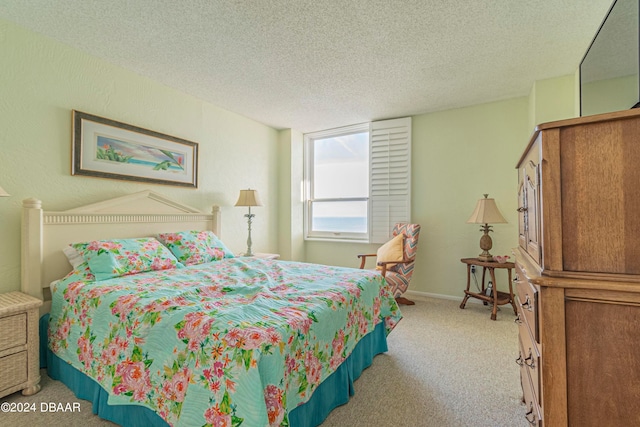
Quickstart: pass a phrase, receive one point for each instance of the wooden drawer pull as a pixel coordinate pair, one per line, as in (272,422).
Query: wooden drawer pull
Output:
(530,415)
(519,360)
(529,360)
(527,304)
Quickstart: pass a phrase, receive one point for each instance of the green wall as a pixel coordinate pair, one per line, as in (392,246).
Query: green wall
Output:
(290,237)
(457,156)
(43,80)
(553,99)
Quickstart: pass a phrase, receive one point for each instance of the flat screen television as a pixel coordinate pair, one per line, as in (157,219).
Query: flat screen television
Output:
(610,70)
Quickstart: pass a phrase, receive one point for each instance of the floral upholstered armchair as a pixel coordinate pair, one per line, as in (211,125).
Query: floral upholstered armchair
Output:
(396,259)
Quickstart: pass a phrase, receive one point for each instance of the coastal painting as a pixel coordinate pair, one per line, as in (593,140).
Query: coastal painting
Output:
(109,149)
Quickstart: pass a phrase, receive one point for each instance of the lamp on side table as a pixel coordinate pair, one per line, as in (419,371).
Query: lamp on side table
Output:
(249,198)
(486,212)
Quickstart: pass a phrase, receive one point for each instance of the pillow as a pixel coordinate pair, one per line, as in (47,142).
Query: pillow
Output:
(73,256)
(195,247)
(81,273)
(391,251)
(121,257)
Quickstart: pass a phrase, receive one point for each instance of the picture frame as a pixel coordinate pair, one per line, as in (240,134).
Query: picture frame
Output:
(106,148)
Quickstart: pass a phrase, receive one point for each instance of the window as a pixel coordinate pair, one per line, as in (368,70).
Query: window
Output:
(358,181)
(337,174)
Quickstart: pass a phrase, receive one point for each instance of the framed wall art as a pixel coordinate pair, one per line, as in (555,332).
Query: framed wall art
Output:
(109,149)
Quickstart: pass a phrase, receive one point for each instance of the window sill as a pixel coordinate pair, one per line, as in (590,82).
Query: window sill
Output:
(336,239)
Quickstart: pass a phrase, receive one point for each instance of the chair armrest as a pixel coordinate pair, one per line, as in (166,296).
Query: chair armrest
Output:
(364,259)
(384,264)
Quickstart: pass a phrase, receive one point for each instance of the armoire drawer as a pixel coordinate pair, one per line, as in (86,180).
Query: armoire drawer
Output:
(529,357)
(533,412)
(527,301)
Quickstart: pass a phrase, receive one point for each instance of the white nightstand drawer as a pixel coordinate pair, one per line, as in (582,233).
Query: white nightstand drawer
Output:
(13,331)
(19,355)
(14,370)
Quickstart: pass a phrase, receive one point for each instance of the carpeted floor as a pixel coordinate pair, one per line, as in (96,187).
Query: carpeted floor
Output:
(445,367)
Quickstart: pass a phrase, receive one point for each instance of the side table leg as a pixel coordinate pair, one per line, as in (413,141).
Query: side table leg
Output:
(31,390)
(484,289)
(513,302)
(466,294)
(494,312)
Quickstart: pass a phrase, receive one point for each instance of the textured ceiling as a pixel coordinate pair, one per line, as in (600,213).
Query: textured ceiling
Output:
(318,64)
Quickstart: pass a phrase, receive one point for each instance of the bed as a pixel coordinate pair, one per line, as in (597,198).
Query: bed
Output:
(214,340)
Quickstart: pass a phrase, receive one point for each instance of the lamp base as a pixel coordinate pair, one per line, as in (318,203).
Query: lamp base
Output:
(485,258)
(249,217)
(485,244)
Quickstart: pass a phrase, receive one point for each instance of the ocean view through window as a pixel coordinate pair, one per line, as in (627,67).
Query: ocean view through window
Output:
(337,175)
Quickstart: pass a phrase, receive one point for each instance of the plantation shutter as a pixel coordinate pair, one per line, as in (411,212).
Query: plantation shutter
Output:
(389,177)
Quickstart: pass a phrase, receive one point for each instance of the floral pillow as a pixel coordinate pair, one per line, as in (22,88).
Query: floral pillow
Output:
(195,247)
(80,273)
(121,257)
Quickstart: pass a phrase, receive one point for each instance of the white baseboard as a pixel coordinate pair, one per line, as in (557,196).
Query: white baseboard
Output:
(425,295)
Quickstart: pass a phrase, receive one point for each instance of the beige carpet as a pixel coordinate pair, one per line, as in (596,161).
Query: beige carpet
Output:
(445,367)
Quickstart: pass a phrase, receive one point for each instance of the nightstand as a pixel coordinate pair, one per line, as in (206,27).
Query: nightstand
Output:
(265,256)
(19,341)
(496,298)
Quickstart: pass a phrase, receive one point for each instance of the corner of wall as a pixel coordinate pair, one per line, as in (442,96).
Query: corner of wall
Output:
(532,106)
(576,93)
(553,99)
(290,236)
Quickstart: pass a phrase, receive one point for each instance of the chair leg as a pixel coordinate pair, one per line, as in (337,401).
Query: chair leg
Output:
(404,301)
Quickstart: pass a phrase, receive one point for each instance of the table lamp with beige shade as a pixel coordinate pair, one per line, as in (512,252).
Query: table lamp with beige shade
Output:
(486,212)
(249,198)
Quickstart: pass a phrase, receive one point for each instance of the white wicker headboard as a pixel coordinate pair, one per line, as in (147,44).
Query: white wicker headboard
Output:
(143,214)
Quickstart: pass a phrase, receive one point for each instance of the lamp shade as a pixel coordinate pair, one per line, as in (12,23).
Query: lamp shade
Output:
(249,198)
(486,212)
(3,193)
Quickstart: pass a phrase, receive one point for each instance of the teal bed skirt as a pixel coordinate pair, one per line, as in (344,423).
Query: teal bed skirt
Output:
(333,392)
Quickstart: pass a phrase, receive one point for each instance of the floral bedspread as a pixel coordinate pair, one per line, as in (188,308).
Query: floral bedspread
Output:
(236,341)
